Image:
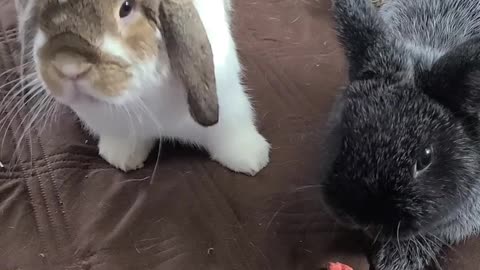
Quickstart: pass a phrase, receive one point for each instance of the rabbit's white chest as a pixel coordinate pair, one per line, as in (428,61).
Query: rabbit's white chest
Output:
(160,113)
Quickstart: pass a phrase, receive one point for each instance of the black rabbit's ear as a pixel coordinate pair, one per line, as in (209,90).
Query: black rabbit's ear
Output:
(454,79)
(370,51)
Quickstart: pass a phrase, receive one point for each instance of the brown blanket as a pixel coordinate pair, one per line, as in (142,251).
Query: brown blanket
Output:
(63,207)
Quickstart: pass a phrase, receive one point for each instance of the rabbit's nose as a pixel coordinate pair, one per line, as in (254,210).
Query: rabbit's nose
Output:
(70,66)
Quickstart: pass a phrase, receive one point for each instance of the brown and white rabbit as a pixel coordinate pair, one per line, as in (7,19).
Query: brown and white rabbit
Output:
(135,71)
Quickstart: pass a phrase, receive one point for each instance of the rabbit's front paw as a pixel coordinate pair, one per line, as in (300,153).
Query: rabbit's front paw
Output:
(123,153)
(246,153)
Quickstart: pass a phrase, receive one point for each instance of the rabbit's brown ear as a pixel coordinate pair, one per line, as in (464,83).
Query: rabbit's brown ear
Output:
(191,57)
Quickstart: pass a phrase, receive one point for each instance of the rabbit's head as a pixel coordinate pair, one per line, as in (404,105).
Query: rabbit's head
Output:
(404,133)
(404,162)
(113,51)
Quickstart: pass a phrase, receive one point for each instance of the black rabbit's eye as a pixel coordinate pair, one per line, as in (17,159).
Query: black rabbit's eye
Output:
(424,159)
(126,8)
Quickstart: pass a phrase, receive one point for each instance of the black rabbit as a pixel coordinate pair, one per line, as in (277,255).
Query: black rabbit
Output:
(406,136)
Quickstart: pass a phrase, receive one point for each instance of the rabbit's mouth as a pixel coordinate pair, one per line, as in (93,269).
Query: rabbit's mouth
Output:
(75,84)
(76,74)
(386,233)
(74,95)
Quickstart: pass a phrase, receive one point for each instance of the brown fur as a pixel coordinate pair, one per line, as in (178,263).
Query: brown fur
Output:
(141,38)
(76,28)
(378,3)
(191,57)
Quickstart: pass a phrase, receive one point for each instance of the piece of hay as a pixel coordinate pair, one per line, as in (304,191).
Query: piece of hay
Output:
(339,266)
(378,3)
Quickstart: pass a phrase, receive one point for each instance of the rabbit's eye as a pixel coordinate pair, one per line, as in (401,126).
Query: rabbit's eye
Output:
(126,8)
(424,159)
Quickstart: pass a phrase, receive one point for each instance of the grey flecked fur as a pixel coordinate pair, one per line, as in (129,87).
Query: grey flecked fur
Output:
(428,29)
(393,44)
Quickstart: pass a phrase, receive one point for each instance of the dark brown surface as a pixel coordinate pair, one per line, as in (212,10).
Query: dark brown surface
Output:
(63,207)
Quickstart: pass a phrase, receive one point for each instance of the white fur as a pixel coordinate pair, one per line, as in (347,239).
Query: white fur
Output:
(114,47)
(155,106)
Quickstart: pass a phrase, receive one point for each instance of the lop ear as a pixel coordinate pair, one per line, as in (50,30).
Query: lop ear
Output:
(191,57)
(454,79)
